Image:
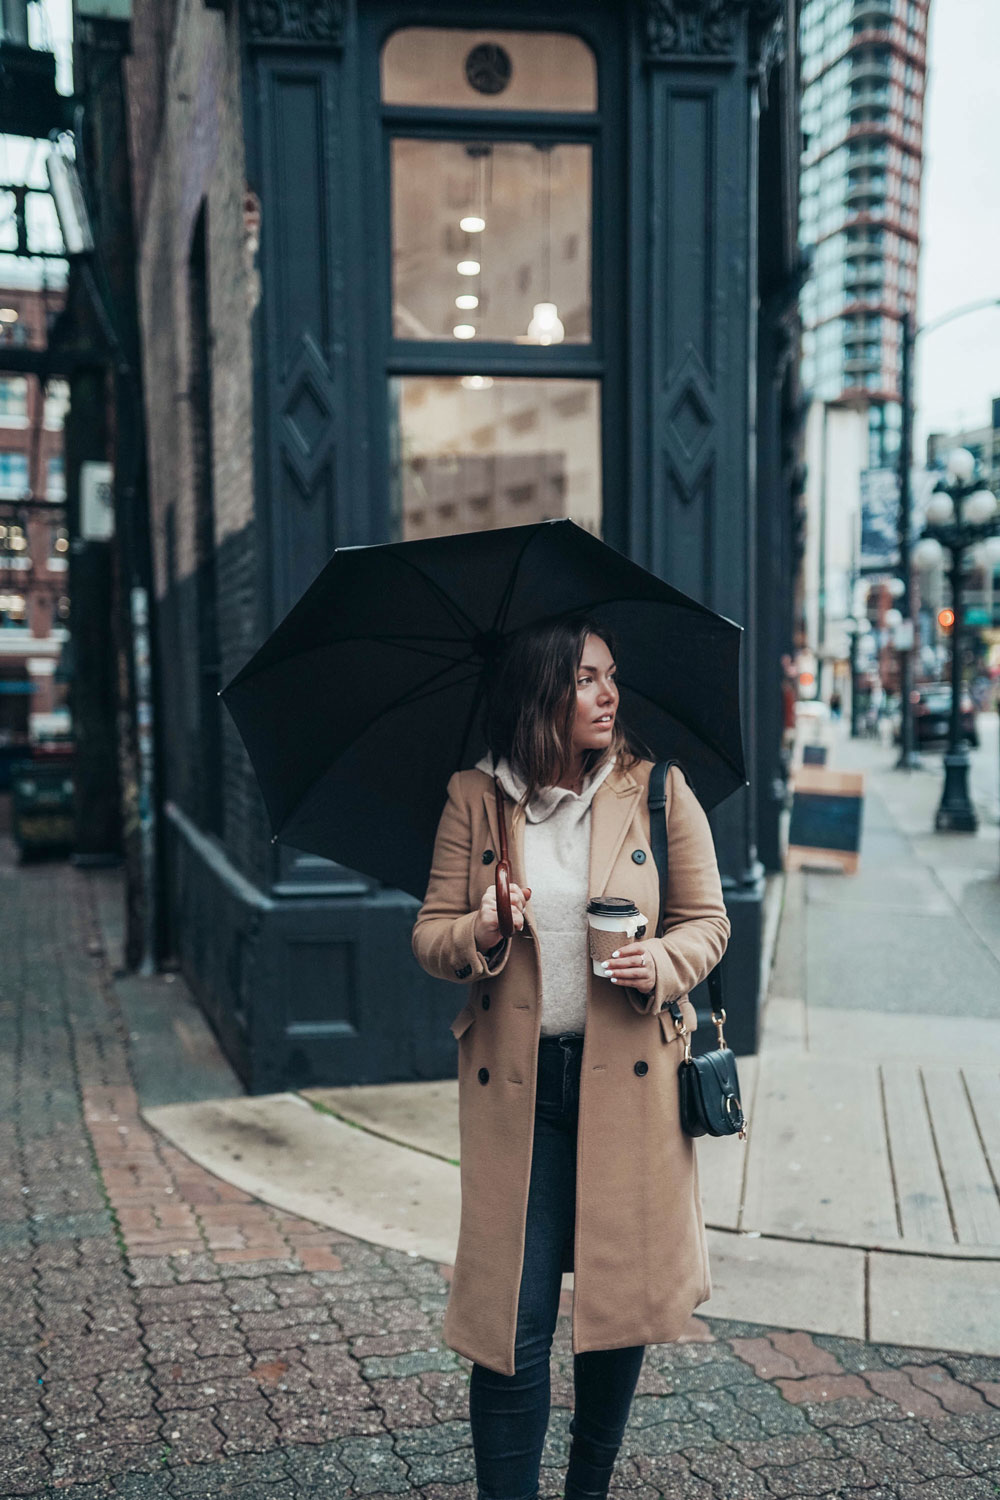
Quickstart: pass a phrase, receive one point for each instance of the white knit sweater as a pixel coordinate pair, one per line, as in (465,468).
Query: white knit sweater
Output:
(556,869)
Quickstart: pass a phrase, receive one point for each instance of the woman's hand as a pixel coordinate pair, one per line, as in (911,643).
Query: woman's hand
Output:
(633,965)
(487,928)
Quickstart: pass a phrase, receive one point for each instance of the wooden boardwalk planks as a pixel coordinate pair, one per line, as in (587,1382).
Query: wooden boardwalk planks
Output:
(921,1197)
(819,1160)
(983,1086)
(972,1194)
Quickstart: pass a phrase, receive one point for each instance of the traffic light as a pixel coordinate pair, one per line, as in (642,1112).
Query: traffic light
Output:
(946,619)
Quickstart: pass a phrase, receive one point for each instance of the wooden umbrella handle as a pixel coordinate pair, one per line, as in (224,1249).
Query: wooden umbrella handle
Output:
(505,917)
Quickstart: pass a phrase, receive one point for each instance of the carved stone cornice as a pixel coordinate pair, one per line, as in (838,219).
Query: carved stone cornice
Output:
(711,31)
(767,40)
(707,30)
(295,23)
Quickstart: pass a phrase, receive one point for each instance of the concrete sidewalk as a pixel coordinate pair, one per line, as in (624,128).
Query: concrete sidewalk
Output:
(865,1201)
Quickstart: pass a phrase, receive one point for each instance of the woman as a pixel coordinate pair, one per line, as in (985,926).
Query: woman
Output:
(572,1155)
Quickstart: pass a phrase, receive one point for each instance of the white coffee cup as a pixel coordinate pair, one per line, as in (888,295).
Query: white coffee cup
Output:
(612,920)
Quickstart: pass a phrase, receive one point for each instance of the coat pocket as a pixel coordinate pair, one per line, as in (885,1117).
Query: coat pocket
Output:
(666,1020)
(463,1020)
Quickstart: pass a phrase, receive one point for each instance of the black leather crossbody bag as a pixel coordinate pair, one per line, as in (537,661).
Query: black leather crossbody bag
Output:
(709,1086)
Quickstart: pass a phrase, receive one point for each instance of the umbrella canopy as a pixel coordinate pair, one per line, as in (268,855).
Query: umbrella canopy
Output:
(363,701)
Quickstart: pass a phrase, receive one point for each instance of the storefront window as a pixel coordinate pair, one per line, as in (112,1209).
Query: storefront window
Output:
(56,404)
(492,232)
(474,452)
(451,68)
(491,241)
(13,401)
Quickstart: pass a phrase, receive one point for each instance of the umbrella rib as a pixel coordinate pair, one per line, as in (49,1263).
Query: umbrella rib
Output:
(405,643)
(503,608)
(443,598)
(698,733)
(471,716)
(427,689)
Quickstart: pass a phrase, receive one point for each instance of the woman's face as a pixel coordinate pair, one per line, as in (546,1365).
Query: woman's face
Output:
(596,697)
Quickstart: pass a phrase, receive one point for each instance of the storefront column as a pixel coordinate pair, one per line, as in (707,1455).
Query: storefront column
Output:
(693,515)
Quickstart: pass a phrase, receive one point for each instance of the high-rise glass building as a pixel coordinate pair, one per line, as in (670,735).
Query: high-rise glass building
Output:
(863,76)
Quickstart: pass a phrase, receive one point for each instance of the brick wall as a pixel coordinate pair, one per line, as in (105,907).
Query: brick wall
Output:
(185,114)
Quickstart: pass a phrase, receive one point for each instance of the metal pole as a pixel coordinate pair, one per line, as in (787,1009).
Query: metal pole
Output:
(821,559)
(908,759)
(854,685)
(956,812)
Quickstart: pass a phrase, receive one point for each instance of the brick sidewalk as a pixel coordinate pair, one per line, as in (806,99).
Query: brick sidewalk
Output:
(166,1335)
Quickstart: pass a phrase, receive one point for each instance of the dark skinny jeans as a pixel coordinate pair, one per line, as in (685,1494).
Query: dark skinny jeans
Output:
(509,1414)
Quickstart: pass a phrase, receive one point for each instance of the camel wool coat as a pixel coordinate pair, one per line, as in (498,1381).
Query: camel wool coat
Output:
(640,1259)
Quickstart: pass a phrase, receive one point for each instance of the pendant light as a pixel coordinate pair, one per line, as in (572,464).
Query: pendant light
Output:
(546,326)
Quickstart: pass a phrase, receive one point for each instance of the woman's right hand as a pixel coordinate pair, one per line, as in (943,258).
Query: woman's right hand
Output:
(487,928)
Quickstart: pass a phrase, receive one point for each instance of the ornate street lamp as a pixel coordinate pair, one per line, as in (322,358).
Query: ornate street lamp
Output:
(960,514)
(858,629)
(908,758)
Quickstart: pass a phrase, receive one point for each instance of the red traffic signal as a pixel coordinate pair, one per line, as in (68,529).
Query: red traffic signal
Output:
(946,619)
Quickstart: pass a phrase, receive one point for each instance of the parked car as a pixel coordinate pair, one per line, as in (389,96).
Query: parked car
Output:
(932,714)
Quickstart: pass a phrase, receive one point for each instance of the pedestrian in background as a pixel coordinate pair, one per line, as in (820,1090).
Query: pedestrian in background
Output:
(572,1152)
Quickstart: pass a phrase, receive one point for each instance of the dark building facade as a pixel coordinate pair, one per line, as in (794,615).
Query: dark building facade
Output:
(34,600)
(399,276)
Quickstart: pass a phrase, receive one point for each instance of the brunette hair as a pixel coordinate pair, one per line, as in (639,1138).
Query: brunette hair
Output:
(532,703)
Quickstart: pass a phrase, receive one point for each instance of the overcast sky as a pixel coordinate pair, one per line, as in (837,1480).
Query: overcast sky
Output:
(958,367)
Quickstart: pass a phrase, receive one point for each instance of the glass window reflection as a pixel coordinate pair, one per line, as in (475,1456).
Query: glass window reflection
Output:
(491,241)
(475,452)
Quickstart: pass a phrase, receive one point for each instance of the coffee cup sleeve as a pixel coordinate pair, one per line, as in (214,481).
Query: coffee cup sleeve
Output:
(604,944)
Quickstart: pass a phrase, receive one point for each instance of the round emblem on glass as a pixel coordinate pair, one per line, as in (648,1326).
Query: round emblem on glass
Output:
(488,68)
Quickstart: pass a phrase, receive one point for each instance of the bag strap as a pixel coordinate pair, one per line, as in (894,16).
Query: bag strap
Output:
(660,847)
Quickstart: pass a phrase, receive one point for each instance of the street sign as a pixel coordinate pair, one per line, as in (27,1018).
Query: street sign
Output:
(879,518)
(975,614)
(97,515)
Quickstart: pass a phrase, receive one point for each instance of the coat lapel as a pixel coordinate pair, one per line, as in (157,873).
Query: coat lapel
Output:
(611,813)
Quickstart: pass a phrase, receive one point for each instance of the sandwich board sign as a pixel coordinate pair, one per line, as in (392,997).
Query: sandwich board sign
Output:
(825,827)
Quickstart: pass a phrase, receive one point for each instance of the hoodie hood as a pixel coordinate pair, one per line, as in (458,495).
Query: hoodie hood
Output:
(548,799)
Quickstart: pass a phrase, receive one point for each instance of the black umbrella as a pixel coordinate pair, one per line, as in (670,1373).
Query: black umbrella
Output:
(362,702)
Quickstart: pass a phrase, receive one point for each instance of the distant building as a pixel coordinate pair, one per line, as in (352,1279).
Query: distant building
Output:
(863,75)
(982,442)
(34,545)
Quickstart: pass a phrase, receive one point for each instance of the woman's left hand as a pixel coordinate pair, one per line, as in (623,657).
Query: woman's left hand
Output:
(632,964)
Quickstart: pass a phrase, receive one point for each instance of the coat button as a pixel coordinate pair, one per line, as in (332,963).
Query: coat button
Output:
(484,1075)
(638,856)
(488,856)
(486,1002)
(464,972)
(641,1067)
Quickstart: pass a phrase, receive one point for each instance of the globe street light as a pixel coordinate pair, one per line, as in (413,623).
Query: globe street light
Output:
(961,515)
(908,758)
